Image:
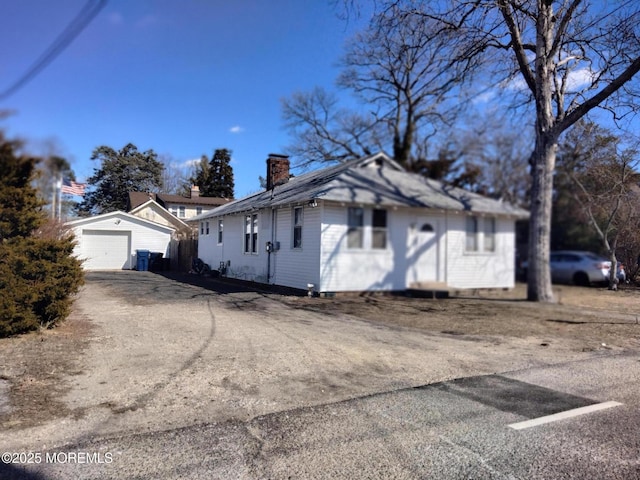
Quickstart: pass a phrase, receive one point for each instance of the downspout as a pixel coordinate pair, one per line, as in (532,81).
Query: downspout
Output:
(272,243)
(446,247)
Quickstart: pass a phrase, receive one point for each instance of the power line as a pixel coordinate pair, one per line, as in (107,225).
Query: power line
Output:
(81,20)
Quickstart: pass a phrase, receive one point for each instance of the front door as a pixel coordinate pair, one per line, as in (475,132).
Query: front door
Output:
(422,251)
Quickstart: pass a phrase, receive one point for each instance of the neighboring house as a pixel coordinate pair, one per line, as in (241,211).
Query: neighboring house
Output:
(179,206)
(153,211)
(173,211)
(183,247)
(364,225)
(110,241)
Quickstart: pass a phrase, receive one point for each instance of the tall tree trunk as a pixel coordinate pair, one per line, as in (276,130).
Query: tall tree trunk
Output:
(543,161)
(539,274)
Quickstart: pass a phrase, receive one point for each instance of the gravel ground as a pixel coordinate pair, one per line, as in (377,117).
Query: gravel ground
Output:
(143,352)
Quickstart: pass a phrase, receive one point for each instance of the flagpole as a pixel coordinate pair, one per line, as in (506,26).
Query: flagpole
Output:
(60,198)
(54,194)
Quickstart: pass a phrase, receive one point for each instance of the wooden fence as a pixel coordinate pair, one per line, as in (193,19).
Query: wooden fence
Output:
(182,252)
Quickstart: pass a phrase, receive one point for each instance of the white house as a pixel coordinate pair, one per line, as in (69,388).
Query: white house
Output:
(364,225)
(110,241)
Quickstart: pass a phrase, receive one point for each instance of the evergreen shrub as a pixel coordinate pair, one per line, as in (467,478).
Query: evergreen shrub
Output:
(38,277)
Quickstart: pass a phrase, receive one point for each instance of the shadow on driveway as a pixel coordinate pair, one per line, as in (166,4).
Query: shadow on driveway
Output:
(169,285)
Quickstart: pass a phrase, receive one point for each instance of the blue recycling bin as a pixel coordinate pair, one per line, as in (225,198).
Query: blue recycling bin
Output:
(142,257)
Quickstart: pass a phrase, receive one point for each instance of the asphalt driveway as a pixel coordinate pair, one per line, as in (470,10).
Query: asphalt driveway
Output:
(158,353)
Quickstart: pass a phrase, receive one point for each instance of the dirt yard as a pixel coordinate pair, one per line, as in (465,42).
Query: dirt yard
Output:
(33,366)
(591,317)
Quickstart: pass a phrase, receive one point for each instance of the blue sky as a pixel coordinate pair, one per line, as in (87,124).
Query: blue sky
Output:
(182,77)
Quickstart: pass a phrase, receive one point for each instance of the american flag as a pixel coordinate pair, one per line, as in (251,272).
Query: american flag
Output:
(72,188)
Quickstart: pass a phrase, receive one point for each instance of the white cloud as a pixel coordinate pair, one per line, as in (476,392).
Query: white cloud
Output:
(576,80)
(236,129)
(579,79)
(190,163)
(484,97)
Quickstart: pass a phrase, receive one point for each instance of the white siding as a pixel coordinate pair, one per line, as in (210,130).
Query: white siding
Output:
(142,235)
(480,269)
(411,256)
(349,269)
(245,266)
(287,266)
(297,267)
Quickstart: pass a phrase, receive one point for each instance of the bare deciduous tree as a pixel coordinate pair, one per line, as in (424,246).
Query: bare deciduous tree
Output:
(605,185)
(500,154)
(566,56)
(399,66)
(324,132)
(560,58)
(175,178)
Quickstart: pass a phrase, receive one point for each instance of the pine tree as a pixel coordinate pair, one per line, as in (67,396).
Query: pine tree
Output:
(218,178)
(121,172)
(38,272)
(20,207)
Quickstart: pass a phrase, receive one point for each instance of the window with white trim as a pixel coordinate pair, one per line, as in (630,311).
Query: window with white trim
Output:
(220,228)
(181,211)
(297,227)
(489,244)
(355,227)
(198,210)
(206,228)
(251,233)
(201,228)
(379,229)
(471,238)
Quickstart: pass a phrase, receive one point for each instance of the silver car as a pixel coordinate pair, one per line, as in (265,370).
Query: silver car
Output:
(581,268)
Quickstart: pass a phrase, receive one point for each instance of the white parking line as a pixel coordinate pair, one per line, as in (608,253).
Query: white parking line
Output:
(562,415)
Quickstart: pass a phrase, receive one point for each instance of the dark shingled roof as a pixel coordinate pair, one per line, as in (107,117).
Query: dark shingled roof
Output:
(138,198)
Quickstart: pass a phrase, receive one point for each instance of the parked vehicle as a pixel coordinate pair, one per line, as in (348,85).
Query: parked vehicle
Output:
(580,268)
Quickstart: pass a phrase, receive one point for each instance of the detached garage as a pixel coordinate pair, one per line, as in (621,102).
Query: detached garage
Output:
(110,241)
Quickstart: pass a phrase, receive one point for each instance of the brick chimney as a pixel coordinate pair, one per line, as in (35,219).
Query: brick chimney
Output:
(195,191)
(277,170)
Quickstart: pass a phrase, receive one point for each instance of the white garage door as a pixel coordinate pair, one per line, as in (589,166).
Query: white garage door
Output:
(105,249)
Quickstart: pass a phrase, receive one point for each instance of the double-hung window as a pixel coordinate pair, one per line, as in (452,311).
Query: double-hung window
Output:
(251,233)
(181,211)
(297,227)
(220,225)
(489,234)
(379,229)
(355,227)
(471,238)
